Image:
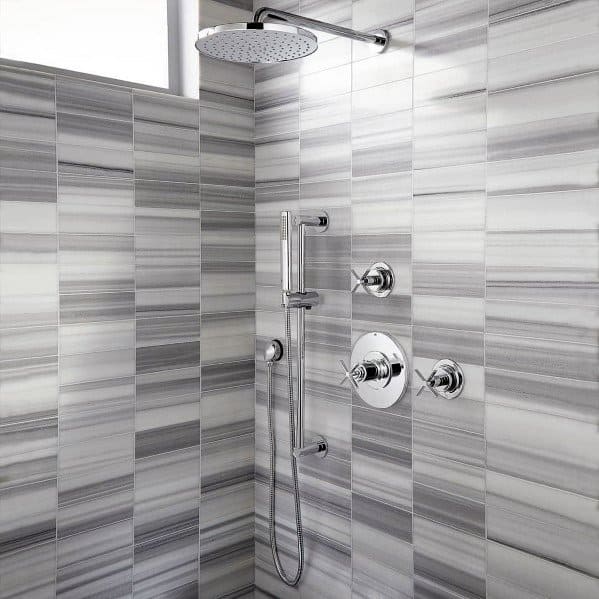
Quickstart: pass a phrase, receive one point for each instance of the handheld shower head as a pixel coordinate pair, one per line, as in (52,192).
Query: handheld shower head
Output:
(285,251)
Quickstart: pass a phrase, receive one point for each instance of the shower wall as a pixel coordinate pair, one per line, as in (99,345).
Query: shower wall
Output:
(467,157)
(100,340)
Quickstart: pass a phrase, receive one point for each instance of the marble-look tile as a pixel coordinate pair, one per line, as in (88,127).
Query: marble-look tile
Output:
(568,398)
(548,211)
(95,206)
(39,562)
(382,204)
(163,137)
(561,59)
(96,562)
(463,313)
(78,130)
(27,515)
(91,99)
(381,457)
(28,342)
(166,108)
(371,14)
(227,540)
(325,111)
(450,443)
(167,195)
(167,566)
(536,576)
(96,409)
(576,324)
(95,483)
(447,562)
(28,387)
(27,106)
(452,510)
(544,521)
(434,19)
(225,197)
(382,145)
(459,48)
(277,160)
(166,493)
(451,82)
(227,413)
(538,447)
(382,68)
(94,307)
(28,296)
(215,153)
(334,52)
(226,462)
(517,25)
(552,266)
(230,290)
(325,153)
(382,99)
(382,562)
(161,166)
(27,154)
(227,236)
(92,161)
(538,174)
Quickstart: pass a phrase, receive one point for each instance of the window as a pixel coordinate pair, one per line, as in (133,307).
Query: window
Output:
(126,40)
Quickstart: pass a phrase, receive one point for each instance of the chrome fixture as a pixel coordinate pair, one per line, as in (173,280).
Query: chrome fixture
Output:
(300,300)
(379,374)
(446,381)
(286,39)
(378,280)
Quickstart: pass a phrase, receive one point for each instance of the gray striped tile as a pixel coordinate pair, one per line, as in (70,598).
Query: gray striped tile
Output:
(219,197)
(553,266)
(27,107)
(381,457)
(227,236)
(215,153)
(78,130)
(90,99)
(381,550)
(532,574)
(96,562)
(325,153)
(438,19)
(92,307)
(95,484)
(545,522)
(538,447)
(447,561)
(168,195)
(95,206)
(92,161)
(27,154)
(39,562)
(28,515)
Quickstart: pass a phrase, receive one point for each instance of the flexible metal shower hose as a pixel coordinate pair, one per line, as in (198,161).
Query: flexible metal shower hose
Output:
(291,581)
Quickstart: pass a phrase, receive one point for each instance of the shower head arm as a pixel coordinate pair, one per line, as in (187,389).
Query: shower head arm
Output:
(380,39)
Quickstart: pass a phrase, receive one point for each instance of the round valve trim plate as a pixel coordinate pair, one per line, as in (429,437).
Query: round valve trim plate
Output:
(372,392)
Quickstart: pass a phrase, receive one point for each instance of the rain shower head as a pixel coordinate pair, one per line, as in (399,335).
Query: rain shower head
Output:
(286,39)
(256,42)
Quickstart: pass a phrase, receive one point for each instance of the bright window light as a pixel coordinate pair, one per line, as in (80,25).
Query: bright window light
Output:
(119,39)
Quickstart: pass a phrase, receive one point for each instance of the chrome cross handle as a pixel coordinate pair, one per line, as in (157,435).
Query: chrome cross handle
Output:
(446,381)
(378,280)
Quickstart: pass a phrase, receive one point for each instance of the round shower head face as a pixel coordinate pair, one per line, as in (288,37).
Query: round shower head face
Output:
(256,43)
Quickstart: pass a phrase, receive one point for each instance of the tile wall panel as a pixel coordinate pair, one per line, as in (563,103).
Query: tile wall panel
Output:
(474,174)
(227,323)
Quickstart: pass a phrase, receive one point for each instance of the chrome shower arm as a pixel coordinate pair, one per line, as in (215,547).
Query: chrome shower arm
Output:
(379,39)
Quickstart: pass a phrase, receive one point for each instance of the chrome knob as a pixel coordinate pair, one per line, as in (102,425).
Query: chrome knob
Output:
(378,280)
(446,381)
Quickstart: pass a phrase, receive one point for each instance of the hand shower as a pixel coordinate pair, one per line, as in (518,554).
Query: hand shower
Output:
(301,300)
(285,252)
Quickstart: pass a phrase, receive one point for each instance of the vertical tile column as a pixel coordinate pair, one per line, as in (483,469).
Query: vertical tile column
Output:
(325,184)
(277,188)
(448,256)
(228,301)
(167,408)
(381,211)
(542,298)
(96,338)
(28,334)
